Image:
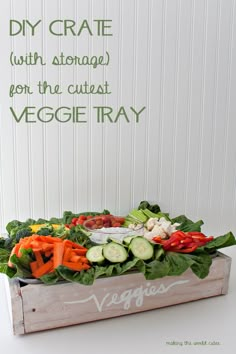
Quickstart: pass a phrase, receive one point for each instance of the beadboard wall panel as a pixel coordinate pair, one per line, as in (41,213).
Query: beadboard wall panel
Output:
(175,57)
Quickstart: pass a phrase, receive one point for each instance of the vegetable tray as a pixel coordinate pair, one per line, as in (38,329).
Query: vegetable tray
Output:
(38,307)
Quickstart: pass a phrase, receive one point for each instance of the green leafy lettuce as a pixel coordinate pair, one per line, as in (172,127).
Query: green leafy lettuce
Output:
(163,263)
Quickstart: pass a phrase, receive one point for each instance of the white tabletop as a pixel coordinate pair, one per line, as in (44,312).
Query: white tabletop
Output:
(208,321)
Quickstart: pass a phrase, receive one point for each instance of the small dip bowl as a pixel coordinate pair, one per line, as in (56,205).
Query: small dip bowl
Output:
(107,227)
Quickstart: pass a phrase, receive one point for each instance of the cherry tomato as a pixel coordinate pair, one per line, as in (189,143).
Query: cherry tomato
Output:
(79,222)
(83,217)
(116,224)
(73,221)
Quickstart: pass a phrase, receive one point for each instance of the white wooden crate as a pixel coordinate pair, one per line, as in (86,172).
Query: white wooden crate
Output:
(37,307)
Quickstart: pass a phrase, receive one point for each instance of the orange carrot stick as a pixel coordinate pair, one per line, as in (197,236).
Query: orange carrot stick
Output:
(50,239)
(48,253)
(84,259)
(44,269)
(58,254)
(73,244)
(34,266)
(75,259)
(80,252)
(46,247)
(35,244)
(25,242)
(39,258)
(67,254)
(76,266)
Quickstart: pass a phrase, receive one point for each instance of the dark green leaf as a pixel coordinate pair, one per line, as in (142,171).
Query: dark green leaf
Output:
(202,263)
(99,271)
(113,269)
(146,205)
(4,255)
(186,224)
(156,269)
(83,277)
(22,269)
(10,272)
(129,265)
(159,252)
(178,263)
(50,278)
(220,242)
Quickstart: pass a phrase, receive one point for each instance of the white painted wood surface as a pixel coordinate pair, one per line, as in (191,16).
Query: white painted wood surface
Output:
(176,57)
(66,304)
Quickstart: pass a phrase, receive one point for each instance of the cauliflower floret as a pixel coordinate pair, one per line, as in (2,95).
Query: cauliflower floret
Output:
(159,227)
(149,235)
(159,230)
(151,223)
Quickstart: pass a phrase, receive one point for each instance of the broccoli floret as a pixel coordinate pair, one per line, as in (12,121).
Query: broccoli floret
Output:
(8,245)
(61,231)
(55,221)
(40,221)
(45,230)
(67,217)
(25,232)
(2,242)
(79,235)
(13,225)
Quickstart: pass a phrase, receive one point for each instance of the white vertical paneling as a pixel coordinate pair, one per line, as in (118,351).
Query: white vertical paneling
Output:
(153,98)
(210,84)
(140,99)
(168,115)
(227,208)
(177,58)
(9,197)
(124,97)
(20,132)
(36,131)
(195,117)
(51,46)
(82,142)
(95,169)
(112,131)
(221,116)
(182,114)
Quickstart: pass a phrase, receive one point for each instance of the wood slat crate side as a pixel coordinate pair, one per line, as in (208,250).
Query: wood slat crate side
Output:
(67,304)
(226,272)
(16,308)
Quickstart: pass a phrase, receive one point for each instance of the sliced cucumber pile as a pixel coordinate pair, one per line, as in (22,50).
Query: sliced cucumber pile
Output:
(95,254)
(115,252)
(141,248)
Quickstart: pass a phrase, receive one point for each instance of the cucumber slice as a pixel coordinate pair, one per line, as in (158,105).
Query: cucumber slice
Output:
(141,248)
(114,252)
(115,240)
(95,254)
(128,239)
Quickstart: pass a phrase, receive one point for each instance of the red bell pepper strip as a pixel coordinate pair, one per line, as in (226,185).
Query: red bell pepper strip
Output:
(186,240)
(175,237)
(184,250)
